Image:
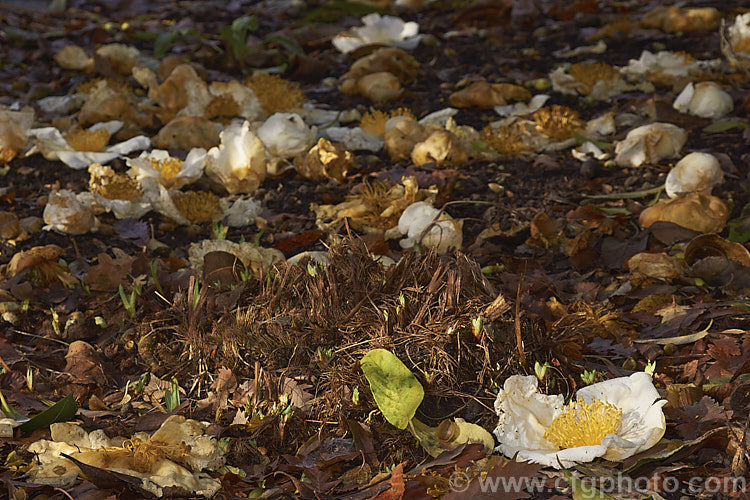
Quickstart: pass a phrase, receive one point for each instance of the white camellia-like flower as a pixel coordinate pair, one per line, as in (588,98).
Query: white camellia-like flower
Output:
(650,144)
(377,29)
(444,233)
(172,173)
(239,162)
(614,419)
(704,99)
(695,172)
(51,143)
(286,135)
(70,213)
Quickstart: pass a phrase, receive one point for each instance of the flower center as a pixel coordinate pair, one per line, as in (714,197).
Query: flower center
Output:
(584,424)
(88,140)
(168,168)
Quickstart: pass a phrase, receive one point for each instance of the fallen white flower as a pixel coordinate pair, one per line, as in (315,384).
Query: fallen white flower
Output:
(695,172)
(522,108)
(241,212)
(69,213)
(239,162)
(355,138)
(286,135)
(704,99)
(172,173)
(650,144)
(421,224)
(377,29)
(53,146)
(614,419)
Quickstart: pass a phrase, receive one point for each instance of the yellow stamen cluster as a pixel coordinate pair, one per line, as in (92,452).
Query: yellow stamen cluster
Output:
(114,186)
(146,454)
(168,168)
(197,206)
(223,105)
(558,122)
(590,73)
(88,140)
(506,140)
(374,121)
(276,94)
(584,424)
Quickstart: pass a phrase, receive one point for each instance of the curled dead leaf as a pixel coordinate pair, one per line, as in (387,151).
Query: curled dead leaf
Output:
(656,265)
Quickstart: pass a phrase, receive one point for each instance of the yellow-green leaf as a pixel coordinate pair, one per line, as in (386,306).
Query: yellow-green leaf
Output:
(396,390)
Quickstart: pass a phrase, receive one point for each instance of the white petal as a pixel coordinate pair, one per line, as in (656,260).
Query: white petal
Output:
(79,160)
(524,415)
(635,392)
(133,144)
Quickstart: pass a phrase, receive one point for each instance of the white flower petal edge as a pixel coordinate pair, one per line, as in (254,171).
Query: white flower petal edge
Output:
(377,29)
(524,415)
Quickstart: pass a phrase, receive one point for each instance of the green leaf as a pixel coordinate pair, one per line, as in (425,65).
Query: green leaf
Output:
(627,196)
(172,395)
(241,25)
(717,127)
(426,436)
(163,43)
(584,490)
(580,139)
(396,390)
(62,411)
(287,43)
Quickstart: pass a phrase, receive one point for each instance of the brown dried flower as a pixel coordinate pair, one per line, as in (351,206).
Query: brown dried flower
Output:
(198,206)
(107,183)
(374,121)
(275,93)
(506,140)
(558,122)
(589,73)
(88,140)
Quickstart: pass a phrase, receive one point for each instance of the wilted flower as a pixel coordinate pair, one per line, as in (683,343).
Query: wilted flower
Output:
(70,213)
(170,172)
(423,224)
(558,122)
(650,144)
(735,41)
(79,149)
(286,135)
(14,130)
(441,148)
(198,206)
(118,193)
(275,93)
(695,172)
(704,99)
(380,86)
(614,419)
(239,163)
(325,160)
(377,29)
(374,120)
